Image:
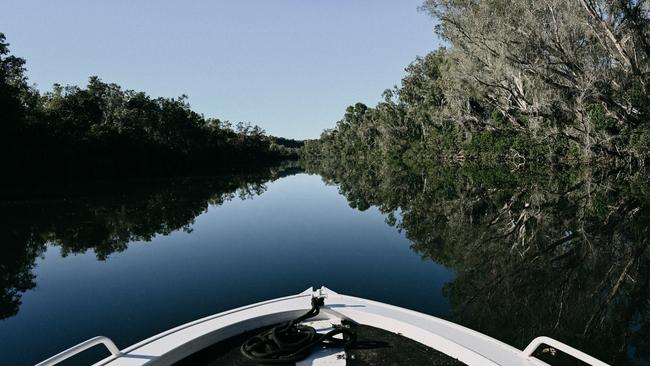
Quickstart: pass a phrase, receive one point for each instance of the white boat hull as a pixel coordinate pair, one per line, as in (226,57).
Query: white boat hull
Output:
(466,345)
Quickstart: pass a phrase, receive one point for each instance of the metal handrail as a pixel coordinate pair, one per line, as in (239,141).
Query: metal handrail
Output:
(528,351)
(92,342)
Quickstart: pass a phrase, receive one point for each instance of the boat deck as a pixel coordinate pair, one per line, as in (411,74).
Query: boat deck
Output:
(386,335)
(374,347)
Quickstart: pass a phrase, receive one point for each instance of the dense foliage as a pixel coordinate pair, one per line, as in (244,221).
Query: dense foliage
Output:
(104,131)
(521,88)
(522,80)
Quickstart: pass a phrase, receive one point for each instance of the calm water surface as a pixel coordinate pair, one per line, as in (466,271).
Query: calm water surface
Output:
(296,233)
(513,254)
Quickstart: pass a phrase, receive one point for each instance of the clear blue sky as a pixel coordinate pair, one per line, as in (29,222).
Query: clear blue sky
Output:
(290,66)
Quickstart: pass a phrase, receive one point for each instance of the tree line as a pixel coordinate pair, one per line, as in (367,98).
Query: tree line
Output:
(521,81)
(104,131)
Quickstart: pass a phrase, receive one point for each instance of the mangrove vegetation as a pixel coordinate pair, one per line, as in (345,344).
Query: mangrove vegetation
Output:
(104,131)
(520,81)
(516,155)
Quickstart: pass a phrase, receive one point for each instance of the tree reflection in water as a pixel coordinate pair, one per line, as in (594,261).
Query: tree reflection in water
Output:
(558,253)
(106,223)
(536,252)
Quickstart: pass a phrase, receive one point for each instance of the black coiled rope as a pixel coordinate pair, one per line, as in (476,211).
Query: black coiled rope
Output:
(292,341)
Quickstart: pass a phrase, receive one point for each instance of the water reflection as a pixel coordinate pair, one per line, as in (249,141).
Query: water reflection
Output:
(299,233)
(563,253)
(107,223)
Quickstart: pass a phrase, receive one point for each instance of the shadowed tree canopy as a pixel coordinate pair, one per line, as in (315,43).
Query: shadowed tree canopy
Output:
(101,131)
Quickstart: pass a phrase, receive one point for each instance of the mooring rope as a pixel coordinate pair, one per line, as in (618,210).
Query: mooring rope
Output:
(292,341)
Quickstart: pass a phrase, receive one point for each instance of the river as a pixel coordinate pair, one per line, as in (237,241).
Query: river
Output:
(131,262)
